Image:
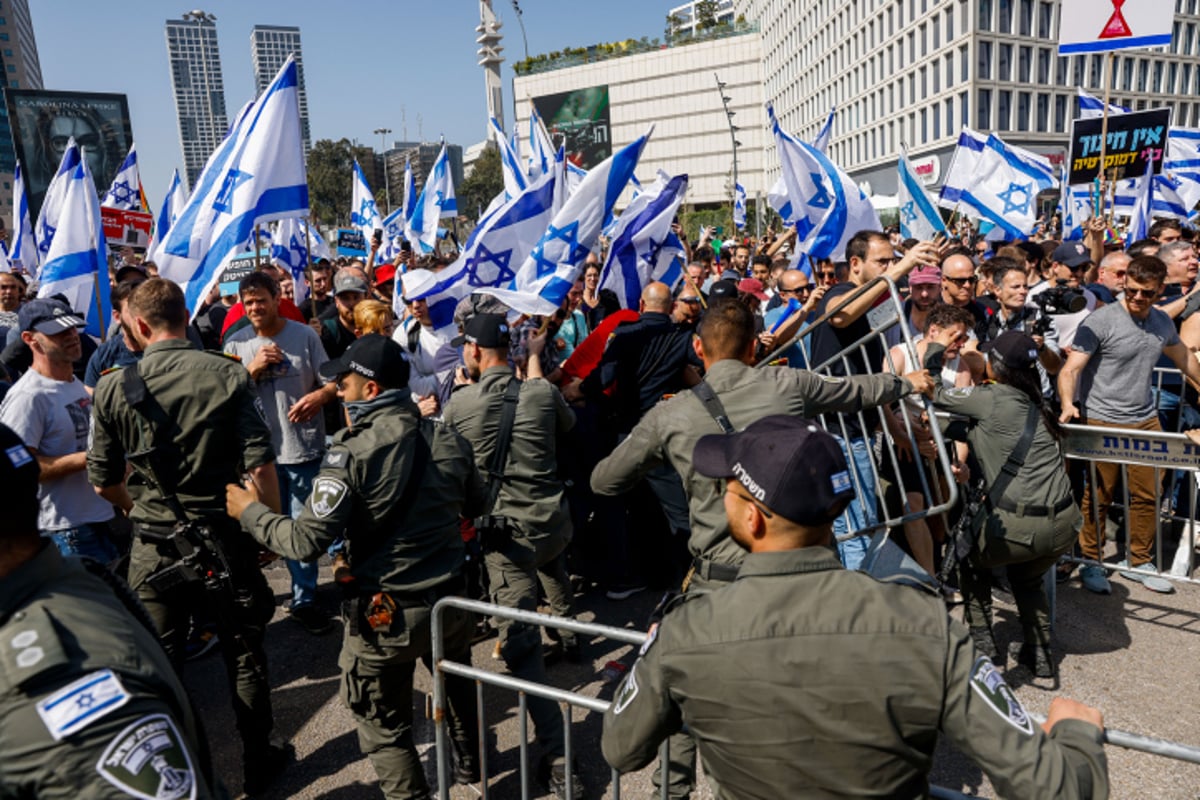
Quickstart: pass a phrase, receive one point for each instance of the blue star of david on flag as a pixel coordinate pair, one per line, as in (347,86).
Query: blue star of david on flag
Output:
(482,256)
(44,244)
(120,192)
(224,199)
(297,247)
(365,214)
(821,199)
(910,215)
(652,250)
(1011,206)
(566,234)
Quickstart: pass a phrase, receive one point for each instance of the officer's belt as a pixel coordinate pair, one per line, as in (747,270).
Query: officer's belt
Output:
(426,597)
(712,571)
(1028,510)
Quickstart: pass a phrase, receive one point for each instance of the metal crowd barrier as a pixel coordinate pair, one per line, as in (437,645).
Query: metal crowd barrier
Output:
(568,700)
(937,496)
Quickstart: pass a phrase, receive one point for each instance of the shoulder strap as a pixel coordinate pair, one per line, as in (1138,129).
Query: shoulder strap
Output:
(495,465)
(137,394)
(364,545)
(1015,459)
(712,404)
(414,336)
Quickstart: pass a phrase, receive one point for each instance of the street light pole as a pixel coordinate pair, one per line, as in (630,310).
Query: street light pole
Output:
(387,187)
(733,129)
(521,22)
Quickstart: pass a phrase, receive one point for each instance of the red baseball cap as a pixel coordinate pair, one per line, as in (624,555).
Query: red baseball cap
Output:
(752,286)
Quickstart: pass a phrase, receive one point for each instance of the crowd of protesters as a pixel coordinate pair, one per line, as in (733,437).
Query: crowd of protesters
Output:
(1103,315)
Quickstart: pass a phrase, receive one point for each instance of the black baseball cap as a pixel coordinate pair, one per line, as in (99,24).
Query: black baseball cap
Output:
(48,316)
(1073,254)
(723,289)
(787,464)
(1013,349)
(485,330)
(19,472)
(373,356)
(131,272)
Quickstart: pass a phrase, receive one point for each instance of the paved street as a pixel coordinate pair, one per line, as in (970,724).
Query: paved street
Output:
(1132,654)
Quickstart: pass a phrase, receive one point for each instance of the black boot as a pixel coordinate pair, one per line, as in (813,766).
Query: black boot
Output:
(984,643)
(1038,659)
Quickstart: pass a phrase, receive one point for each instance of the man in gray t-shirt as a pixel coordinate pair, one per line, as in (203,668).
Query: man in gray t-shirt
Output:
(1112,362)
(51,412)
(283,358)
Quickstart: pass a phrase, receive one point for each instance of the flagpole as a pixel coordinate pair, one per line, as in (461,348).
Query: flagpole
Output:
(257,248)
(1108,68)
(308,259)
(99,306)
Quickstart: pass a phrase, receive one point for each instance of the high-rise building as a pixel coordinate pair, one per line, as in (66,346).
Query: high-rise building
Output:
(198,86)
(20,68)
(490,59)
(917,72)
(270,45)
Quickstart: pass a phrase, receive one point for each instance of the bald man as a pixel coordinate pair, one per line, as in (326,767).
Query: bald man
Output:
(646,360)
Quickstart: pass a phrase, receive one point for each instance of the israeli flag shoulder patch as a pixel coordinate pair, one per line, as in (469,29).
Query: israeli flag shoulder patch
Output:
(79,704)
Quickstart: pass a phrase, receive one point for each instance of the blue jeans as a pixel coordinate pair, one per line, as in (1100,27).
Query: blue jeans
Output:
(89,540)
(295,485)
(862,510)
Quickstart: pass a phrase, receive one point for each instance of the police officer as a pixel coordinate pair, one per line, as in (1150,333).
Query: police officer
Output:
(83,683)
(1033,519)
(782,638)
(740,395)
(185,420)
(395,488)
(529,525)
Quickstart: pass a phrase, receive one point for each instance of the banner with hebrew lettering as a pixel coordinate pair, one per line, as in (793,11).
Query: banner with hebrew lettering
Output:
(1133,139)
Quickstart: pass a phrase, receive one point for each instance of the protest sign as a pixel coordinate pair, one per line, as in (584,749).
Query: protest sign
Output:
(1132,141)
(1098,26)
(126,228)
(350,242)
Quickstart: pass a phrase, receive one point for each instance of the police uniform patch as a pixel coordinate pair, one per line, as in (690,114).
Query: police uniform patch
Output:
(626,693)
(841,482)
(960,391)
(327,495)
(335,458)
(650,637)
(832,379)
(18,456)
(149,760)
(990,686)
(79,704)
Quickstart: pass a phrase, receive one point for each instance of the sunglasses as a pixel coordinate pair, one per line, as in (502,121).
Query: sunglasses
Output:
(961,281)
(797,290)
(754,503)
(827,276)
(1149,294)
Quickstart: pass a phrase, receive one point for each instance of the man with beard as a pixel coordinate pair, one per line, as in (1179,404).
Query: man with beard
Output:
(924,292)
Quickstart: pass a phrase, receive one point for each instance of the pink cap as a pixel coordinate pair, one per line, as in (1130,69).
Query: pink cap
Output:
(927,275)
(752,286)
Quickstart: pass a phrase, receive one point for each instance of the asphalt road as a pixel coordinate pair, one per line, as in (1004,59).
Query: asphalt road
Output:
(1133,654)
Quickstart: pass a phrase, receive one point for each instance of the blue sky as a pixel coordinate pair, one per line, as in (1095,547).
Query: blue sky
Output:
(363,60)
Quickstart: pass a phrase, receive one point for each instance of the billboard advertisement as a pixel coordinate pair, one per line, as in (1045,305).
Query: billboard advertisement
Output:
(579,120)
(43,122)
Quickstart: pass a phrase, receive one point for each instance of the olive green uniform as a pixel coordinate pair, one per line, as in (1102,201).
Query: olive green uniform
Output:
(216,431)
(533,502)
(82,685)
(1045,521)
(757,671)
(413,554)
(668,433)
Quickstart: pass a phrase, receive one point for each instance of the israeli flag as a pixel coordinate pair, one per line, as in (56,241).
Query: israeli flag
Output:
(172,206)
(316,242)
(436,201)
(255,175)
(1093,107)
(364,214)
(393,234)
(126,190)
(644,249)
(777,198)
(500,242)
(1006,187)
(1183,163)
(963,165)
(47,221)
(1139,223)
(1165,201)
(542,149)
(739,207)
(575,174)
(76,264)
(409,200)
(514,175)
(549,272)
(919,219)
(829,206)
(823,136)
(289,250)
(23,250)
(1075,207)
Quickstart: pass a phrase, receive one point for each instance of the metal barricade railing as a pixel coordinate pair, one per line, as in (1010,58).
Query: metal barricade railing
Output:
(885,320)
(568,700)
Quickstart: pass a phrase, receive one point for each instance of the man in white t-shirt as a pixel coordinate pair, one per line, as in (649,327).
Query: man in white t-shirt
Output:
(51,412)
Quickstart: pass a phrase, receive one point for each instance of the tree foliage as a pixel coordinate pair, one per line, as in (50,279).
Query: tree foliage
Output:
(482,185)
(330,176)
(706,14)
